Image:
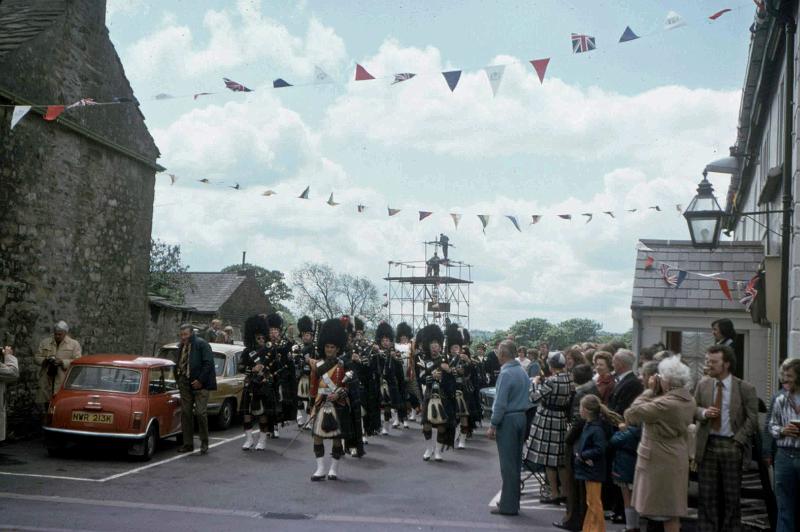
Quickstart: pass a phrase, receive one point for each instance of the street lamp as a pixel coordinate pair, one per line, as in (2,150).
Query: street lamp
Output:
(704,217)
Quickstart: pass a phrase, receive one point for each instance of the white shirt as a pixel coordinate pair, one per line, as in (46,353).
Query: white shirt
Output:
(524,362)
(725,414)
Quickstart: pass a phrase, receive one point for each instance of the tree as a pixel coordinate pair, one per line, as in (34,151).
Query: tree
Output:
(572,331)
(165,269)
(271,282)
(325,294)
(529,332)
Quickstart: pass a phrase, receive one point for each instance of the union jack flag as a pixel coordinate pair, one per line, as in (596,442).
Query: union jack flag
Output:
(402,77)
(671,280)
(582,43)
(750,293)
(234,86)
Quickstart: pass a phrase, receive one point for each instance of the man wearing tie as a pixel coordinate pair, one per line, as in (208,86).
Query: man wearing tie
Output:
(727,416)
(508,425)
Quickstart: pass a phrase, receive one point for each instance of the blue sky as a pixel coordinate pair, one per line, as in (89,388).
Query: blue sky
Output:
(627,125)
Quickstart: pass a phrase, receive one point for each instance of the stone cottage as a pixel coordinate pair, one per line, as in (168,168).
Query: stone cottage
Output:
(77,193)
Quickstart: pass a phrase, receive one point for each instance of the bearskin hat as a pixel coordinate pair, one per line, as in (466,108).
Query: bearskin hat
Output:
(429,334)
(305,325)
(274,321)
(347,324)
(467,337)
(359,324)
(384,330)
(454,336)
(404,329)
(332,332)
(252,326)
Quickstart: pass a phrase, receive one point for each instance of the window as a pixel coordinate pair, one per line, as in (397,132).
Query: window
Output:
(103,379)
(219,364)
(156,383)
(231,366)
(692,345)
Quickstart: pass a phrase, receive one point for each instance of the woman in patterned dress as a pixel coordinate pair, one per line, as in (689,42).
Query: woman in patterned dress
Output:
(553,396)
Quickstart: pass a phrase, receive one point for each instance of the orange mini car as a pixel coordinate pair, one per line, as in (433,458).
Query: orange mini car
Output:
(123,400)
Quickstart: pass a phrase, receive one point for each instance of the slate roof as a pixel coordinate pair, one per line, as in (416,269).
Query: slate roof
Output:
(737,261)
(22,20)
(208,291)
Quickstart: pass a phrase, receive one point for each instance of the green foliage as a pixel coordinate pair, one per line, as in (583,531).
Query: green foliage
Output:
(272,282)
(572,331)
(608,337)
(165,263)
(530,332)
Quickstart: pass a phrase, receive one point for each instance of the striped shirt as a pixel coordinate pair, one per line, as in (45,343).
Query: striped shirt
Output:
(784,410)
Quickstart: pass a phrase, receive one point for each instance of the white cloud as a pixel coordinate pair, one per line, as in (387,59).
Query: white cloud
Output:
(238,36)
(125,7)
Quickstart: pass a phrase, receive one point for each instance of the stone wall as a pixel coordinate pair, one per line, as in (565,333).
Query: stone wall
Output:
(246,301)
(75,213)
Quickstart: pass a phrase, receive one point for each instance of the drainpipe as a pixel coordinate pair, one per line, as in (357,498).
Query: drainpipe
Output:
(790,28)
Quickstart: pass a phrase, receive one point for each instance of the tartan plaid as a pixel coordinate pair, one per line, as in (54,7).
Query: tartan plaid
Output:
(719,485)
(550,425)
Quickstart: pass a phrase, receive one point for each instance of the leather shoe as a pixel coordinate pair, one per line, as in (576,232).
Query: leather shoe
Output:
(185,449)
(555,501)
(204,447)
(496,511)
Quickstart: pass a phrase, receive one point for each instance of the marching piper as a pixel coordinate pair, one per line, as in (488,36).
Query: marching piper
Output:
(279,351)
(412,397)
(306,348)
(387,373)
(438,405)
(331,411)
(260,395)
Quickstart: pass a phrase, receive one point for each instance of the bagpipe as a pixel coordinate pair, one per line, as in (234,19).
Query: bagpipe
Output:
(435,412)
(326,418)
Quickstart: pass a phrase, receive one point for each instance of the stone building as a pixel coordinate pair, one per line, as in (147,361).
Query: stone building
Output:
(231,297)
(77,193)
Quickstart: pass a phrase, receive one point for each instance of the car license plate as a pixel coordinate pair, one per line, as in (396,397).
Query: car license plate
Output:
(93,417)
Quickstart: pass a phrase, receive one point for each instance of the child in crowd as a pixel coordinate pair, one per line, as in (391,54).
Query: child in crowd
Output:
(625,442)
(590,458)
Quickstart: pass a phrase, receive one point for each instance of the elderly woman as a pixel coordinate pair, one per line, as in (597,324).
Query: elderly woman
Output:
(604,380)
(661,479)
(549,432)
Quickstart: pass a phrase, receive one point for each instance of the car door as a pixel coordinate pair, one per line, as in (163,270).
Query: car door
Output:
(158,399)
(174,400)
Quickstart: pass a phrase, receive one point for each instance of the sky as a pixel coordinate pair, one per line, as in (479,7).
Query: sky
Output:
(625,126)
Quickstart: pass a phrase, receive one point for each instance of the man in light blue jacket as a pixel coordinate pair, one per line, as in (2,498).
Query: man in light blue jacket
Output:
(508,425)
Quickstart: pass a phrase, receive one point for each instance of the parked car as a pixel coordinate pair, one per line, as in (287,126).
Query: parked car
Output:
(487,400)
(225,400)
(124,400)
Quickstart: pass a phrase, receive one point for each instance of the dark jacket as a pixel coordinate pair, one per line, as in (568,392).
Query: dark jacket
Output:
(201,363)
(625,442)
(625,391)
(592,447)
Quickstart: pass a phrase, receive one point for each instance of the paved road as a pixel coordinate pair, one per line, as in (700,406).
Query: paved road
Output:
(389,489)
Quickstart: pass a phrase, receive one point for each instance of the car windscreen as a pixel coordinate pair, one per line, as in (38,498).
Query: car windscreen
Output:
(103,379)
(171,353)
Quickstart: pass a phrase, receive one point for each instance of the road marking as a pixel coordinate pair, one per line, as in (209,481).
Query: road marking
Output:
(135,470)
(464,525)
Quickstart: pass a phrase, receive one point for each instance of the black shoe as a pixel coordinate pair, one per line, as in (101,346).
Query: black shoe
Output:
(204,447)
(315,478)
(185,449)
(556,501)
(333,477)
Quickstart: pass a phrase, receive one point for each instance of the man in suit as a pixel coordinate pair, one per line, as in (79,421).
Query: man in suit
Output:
(627,385)
(196,377)
(727,416)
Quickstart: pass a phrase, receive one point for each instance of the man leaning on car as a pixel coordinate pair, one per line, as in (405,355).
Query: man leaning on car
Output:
(195,376)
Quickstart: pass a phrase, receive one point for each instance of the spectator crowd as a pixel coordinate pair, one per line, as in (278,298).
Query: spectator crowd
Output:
(616,437)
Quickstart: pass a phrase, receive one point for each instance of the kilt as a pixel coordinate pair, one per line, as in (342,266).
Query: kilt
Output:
(255,402)
(345,418)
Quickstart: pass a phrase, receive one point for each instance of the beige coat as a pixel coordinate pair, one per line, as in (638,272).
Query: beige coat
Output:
(67,351)
(9,372)
(743,413)
(661,480)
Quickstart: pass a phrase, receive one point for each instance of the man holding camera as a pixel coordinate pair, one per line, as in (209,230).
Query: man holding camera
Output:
(54,357)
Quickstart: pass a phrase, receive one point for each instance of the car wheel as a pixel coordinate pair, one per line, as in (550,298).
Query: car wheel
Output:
(224,419)
(150,441)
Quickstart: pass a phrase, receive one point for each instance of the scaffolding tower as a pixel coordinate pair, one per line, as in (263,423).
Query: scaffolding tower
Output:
(434,290)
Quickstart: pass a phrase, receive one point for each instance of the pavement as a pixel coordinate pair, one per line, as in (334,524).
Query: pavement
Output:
(391,488)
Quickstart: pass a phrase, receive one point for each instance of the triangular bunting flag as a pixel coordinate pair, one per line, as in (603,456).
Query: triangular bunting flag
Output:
(331,202)
(589,216)
(582,43)
(320,76)
(642,247)
(670,279)
(269,193)
(656,208)
(456,218)
(361,208)
(19,112)
(565,216)
(648,263)
(610,213)
(280,83)
(632,210)
(196,96)
(402,77)
(723,285)
(204,181)
(674,20)
(235,86)
(540,66)
(628,35)
(172,179)
(679,208)
(681,277)
(514,221)
(719,13)
(304,195)
(495,75)
(392,212)
(424,214)
(235,187)
(484,218)
(452,78)
(362,74)
(535,218)
(53,112)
